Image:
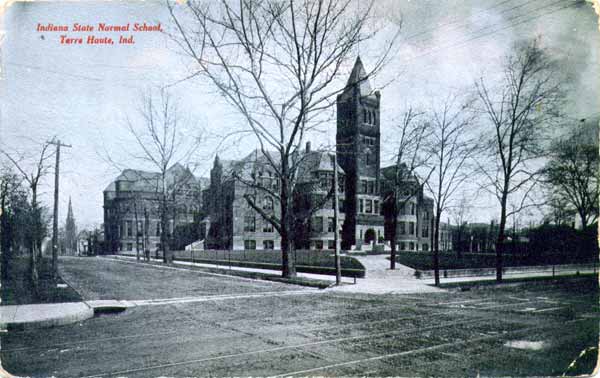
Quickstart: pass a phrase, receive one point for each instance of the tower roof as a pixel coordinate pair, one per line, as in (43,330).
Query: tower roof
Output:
(359,77)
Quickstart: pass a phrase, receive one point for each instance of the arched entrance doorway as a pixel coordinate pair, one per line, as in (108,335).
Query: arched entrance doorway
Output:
(370,236)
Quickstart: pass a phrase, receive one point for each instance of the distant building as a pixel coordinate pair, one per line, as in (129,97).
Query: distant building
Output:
(131,207)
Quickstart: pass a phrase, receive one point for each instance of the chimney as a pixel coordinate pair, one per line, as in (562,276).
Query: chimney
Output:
(307,146)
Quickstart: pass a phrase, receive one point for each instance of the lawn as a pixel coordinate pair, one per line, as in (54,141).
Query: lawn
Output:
(18,290)
(424,260)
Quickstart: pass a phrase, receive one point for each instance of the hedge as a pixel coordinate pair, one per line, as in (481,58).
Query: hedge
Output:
(307,261)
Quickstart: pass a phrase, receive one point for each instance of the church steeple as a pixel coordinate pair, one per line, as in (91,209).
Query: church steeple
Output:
(70,231)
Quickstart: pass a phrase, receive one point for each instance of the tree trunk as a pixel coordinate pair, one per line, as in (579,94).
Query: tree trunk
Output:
(137,232)
(287,259)
(163,238)
(459,241)
(5,235)
(393,236)
(436,249)
(500,240)
(288,268)
(36,225)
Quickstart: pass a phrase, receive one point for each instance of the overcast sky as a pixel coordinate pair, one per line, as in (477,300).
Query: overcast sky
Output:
(83,93)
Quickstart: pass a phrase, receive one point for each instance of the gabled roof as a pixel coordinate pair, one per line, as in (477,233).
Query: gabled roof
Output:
(309,162)
(139,180)
(315,161)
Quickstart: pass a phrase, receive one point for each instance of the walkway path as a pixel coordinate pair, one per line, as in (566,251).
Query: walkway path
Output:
(380,279)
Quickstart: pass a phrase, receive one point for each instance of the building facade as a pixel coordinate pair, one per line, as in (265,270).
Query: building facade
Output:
(132,207)
(365,189)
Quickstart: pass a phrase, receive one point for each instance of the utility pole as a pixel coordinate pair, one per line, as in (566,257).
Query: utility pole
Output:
(338,267)
(395,212)
(55,220)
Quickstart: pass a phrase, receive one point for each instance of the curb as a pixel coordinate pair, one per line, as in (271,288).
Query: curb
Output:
(80,313)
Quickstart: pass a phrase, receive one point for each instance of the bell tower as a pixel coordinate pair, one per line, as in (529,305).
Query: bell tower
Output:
(358,151)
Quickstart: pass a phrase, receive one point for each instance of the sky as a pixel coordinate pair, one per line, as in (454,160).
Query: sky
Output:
(84,94)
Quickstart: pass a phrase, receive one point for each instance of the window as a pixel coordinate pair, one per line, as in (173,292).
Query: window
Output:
(130,246)
(330,225)
(249,223)
(368,141)
(402,228)
(402,246)
(425,232)
(250,244)
(267,227)
(268,203)
(411,228)
(412,209)
(425,247)
(360,205)
(402,209)
(158,228)
(341,203)
(268,244)
(330,244)
(371,187)
(128,229)
(363,186)
(318,244)
(411,246)
(376,207)
(317,224)
(369,206)
(140,228)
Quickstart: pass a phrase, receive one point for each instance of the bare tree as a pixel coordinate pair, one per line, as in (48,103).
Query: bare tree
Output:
(518,111)
(460,215)
(573,173)
(13,201)
(413,133)
(162,145)
(277,64)
(32,169)
(451,147)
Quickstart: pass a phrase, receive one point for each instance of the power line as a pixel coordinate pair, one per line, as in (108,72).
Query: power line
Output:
(475,37)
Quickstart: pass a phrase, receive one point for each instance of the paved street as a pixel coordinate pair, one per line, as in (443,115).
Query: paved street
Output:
(247,327)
